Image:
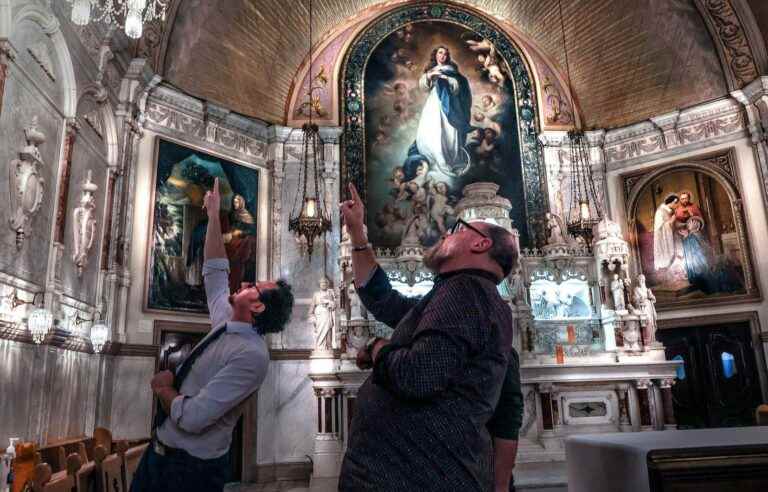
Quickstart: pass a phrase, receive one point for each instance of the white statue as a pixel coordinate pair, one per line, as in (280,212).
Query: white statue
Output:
(84,224)
(321,314)
(617,290)
(554,229)
(646,304)
(517,288)
(355,306)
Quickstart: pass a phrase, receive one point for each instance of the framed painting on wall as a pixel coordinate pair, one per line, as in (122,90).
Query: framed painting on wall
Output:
(177,231)
(688,233)
(437,98)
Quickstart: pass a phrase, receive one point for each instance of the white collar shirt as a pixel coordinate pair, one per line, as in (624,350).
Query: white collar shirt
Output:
(231,368)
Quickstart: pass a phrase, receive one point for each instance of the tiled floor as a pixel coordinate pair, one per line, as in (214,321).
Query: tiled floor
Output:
(534,477)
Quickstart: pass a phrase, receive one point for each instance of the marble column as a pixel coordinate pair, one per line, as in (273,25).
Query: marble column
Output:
(754,97)
(326,459)
(668,405)
(622,393)
(633,401)
(648,414)
(5,58)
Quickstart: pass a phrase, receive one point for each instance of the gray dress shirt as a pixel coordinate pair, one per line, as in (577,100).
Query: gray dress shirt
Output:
(211,398)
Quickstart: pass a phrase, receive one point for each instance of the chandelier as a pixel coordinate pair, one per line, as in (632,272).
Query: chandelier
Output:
(39,322)
(133,13)
(584,211)
(309,217)
(99,336)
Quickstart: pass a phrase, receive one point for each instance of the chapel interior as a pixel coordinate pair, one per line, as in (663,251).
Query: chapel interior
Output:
(623,142)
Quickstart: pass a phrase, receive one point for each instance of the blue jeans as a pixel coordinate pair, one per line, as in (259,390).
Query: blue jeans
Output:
(179,472)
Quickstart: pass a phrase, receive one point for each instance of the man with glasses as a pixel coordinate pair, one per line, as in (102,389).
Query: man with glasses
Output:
(201,402)
(434,414)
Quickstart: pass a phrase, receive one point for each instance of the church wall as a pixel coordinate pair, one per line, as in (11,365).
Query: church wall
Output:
(750,184)
(65,82)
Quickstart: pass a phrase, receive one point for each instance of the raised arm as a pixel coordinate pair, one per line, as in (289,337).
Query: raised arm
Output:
(216,266)
(376,293)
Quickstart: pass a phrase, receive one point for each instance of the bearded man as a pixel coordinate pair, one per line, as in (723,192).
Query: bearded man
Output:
(441,408)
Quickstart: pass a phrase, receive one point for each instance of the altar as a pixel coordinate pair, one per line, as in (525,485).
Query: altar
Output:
(702,460)
(590,362)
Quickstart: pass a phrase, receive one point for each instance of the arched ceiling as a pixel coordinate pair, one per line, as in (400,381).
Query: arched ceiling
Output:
(629,59)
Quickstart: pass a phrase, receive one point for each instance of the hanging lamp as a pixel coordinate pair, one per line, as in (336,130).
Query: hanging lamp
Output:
(584,211)
(309,217)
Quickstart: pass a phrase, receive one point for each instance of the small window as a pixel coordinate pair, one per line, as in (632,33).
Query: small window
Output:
(729,365)
(680,371)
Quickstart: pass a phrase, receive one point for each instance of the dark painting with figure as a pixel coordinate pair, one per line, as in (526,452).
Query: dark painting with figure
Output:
(182,177)
(688,239)
(440,113)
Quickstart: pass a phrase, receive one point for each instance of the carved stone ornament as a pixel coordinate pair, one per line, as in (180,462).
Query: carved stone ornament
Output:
(84,224)
(39,53)
(27,186)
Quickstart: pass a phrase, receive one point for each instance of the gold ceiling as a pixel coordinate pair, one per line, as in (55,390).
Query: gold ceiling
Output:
(629,59)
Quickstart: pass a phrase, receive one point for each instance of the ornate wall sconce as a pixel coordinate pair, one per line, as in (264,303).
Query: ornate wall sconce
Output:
(99,336)
(84,227)
(39,321)
(27,185)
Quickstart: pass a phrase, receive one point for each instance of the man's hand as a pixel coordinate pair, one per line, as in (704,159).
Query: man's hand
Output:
(353,212)
(212,200)
(364,360)
(161,380)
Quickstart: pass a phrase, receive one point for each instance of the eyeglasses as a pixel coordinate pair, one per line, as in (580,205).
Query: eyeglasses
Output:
(461,225)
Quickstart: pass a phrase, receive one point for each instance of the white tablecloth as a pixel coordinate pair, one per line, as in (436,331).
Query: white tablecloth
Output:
(618,462)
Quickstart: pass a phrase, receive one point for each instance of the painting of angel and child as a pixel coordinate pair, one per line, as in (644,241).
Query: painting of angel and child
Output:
(182,177)
(687,239)
(440,113)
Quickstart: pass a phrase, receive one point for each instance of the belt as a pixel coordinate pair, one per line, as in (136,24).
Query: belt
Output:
(164,450)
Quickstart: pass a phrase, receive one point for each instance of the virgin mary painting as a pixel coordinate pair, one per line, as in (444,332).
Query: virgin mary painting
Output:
(445,119)
(440,113)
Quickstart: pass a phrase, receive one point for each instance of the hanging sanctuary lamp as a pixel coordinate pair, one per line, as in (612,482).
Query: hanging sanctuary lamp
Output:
(309,217)
(584,211)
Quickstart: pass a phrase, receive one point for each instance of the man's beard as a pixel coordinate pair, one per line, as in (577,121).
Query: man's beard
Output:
(434,258)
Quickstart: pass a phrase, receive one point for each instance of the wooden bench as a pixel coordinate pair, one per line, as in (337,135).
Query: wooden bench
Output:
(105,464)
(45,480)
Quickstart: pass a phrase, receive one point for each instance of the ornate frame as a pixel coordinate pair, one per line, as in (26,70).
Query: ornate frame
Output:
(722,167)
(353,166)
(260,216)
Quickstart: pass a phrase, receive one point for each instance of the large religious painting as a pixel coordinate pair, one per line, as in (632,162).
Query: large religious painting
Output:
(437,99)
(689,237)
(175,261)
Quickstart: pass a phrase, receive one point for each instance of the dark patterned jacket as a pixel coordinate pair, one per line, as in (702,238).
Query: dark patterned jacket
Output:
(420,420)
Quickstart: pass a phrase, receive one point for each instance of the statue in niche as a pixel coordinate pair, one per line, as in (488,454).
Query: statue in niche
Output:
(84,224)
(617,291)
(555,228)
(356,310)
(321,315)
(517,288)
(645,303)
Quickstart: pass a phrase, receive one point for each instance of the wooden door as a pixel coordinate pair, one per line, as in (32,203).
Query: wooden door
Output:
(718,385)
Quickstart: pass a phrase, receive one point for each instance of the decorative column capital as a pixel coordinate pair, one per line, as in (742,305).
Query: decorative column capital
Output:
(667,383)
(643,383)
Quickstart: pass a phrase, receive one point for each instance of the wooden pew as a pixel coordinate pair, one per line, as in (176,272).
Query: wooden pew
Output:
(45,480)
(761,415)
(27,458)
(110,470)
(131,458)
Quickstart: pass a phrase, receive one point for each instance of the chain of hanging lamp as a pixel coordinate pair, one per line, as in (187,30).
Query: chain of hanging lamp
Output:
(309,218)
(584,211)
(133,14)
